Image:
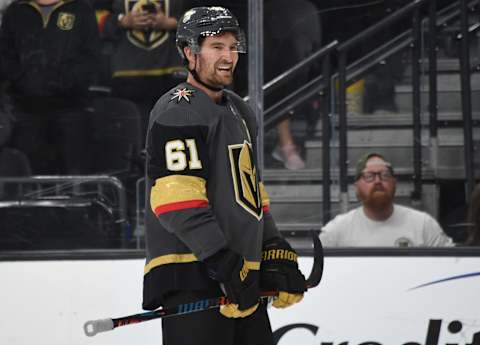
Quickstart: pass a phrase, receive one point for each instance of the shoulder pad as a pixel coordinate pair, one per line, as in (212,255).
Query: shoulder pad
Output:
(183,105)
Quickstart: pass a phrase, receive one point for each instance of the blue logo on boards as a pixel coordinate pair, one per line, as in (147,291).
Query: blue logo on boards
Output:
(462,276)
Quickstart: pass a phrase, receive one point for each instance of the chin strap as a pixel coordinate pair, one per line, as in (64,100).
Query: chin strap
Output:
(197,78)
(194,73)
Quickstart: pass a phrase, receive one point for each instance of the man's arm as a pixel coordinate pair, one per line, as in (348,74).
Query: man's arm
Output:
(270,229)
(330,232)
(178,164)
(279,269)
(433,234)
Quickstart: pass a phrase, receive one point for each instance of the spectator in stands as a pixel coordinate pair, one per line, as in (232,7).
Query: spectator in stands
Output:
(380,82)
(379,98)
(145,61)
(301,39)
(49,51)
(473,219)
(379,222)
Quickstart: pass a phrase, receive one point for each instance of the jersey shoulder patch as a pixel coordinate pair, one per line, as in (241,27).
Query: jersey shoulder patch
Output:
(182,94)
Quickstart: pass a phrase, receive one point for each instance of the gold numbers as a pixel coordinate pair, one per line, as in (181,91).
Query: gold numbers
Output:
(176,157)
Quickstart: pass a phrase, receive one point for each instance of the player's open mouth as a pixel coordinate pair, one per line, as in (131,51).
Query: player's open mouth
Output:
(225,69)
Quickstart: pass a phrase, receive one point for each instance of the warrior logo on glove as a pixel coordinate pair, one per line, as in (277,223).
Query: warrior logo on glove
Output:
(279,254)
(279,272)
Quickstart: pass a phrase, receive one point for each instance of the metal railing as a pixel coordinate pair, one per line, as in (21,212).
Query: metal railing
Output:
(466,92)
(343,50)
(434,21)
(278,111)
(71,191)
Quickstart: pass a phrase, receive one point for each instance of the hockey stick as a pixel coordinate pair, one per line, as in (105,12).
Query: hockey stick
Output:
(93,327)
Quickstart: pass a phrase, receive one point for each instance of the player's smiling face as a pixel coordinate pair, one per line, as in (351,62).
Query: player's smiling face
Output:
(217,59)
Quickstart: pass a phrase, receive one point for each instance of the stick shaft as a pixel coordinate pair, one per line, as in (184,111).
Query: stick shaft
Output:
(96,326)
(180,309)
(93,327)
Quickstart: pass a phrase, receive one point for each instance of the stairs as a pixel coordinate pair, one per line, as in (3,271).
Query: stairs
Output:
(296,196)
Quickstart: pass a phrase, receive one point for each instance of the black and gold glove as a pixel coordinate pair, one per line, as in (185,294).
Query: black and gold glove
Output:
(239,282)
(279,272)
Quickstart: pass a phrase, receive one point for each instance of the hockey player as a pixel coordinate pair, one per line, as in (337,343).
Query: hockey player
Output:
(207,217)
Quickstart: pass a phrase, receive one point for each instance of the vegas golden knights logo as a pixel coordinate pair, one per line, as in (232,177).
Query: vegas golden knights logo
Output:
(245,180)
(147,39)
(65,21)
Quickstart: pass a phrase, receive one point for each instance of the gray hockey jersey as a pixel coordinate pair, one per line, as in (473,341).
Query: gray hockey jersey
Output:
(203,190)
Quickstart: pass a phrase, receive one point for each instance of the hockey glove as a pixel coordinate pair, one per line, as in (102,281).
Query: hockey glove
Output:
(279,272)
(239,283)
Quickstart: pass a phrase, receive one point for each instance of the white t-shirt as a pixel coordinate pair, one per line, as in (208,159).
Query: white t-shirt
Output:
(406,227)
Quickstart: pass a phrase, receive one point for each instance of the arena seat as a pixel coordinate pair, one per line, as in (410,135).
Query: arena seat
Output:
(116,133)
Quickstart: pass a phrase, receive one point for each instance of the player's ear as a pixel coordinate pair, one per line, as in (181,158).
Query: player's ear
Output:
(190,56)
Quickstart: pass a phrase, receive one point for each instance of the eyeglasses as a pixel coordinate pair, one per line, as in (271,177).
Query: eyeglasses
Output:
(383,175)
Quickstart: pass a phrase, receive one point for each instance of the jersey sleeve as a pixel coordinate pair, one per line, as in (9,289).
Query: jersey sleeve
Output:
(270,229)
(178,160)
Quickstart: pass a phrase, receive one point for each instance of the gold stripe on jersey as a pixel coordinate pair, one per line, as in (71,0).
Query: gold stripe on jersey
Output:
(252,265)
(265,198)
(188,258)
(148,73)
(177,192)
(169,259)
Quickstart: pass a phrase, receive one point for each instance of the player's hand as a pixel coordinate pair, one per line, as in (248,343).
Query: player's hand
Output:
(239,282)
(279,272)
(231,311)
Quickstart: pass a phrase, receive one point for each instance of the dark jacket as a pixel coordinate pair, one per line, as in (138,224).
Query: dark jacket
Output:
(49,59)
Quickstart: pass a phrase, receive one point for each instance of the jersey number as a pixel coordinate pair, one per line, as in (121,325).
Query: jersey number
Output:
(177,158)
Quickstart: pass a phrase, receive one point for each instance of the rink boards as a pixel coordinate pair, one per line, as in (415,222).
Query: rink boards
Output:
(360,301)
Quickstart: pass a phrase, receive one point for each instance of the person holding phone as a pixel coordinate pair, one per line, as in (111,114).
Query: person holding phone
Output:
(146,15)
(144,60)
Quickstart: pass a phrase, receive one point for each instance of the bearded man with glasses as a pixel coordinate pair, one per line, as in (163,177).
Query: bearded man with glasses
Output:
(379,222)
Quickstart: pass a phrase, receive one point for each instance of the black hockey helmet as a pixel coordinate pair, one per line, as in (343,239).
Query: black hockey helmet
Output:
(201,22)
